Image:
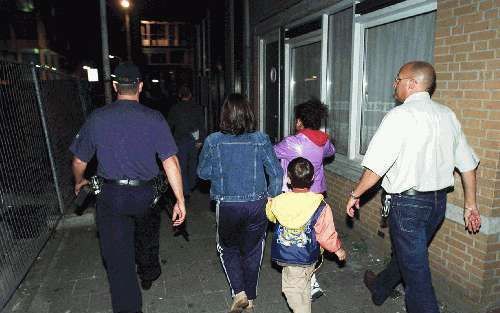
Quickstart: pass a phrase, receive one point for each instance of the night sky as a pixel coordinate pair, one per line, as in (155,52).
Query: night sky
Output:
(81,24)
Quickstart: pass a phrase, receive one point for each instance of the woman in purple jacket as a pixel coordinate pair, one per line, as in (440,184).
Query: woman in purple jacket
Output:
(311,143)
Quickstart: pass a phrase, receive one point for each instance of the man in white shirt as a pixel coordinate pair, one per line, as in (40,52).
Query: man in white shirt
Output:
(416,149)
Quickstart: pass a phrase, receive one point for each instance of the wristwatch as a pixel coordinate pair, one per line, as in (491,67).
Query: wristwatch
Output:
(352,195)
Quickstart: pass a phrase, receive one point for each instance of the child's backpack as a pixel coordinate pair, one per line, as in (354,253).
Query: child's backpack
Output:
(297,246)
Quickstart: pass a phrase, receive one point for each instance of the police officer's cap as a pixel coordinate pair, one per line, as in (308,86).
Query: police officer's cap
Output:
(127,73)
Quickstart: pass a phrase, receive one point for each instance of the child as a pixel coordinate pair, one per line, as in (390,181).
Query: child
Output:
(313,144)
(304,226)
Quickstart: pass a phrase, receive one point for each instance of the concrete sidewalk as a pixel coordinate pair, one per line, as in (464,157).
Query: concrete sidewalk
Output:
(68,276)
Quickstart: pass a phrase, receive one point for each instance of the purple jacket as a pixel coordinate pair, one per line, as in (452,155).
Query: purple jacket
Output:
(303,145)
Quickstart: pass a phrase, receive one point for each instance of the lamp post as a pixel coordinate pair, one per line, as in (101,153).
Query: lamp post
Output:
(105,52)
(126,5)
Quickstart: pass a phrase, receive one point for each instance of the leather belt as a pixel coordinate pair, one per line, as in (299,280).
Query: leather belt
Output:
(129,182)
(413,192)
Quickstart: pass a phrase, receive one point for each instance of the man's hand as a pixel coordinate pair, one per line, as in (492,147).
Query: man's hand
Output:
(351,205)
(472,219)
(341,254)
(78,186)
(178,214)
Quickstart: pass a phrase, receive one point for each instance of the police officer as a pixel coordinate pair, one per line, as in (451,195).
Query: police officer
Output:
(127,138)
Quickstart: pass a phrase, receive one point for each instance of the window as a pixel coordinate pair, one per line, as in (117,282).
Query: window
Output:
(384,55)
(339,78)
(383,41)
(303,74)
(306,72)
(350,64)
(153,33)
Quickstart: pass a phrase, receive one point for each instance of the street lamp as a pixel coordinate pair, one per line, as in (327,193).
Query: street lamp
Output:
(126,5)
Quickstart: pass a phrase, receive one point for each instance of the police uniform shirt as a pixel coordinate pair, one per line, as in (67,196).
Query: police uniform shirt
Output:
(127,137)
(418,145)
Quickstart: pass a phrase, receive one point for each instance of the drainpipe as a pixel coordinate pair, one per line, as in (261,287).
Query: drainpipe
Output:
(246,48)
(230,77)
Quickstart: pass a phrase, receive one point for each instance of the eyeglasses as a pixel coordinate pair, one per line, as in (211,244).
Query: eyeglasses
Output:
(397,79)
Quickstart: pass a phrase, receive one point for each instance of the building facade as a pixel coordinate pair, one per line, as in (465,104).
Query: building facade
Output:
(26,34)
(346,53)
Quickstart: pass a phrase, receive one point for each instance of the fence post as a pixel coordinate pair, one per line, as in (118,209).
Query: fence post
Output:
(47,139)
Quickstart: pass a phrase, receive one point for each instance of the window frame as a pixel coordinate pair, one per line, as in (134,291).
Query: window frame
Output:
(358,86)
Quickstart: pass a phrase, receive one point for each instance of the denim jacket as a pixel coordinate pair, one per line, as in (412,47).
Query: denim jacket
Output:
(237,167)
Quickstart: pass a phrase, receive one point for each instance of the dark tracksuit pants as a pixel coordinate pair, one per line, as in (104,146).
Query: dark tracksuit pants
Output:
(129,236)
(241,234)
(188,159)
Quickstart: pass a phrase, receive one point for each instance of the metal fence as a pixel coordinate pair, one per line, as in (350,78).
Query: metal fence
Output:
(40,112)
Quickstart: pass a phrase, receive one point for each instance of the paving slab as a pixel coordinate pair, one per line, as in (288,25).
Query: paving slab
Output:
(68,276)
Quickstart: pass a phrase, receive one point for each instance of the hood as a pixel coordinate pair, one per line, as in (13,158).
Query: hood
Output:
(317,136)
(294,209)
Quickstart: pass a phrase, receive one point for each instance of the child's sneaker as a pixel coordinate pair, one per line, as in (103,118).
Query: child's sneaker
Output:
(316,290)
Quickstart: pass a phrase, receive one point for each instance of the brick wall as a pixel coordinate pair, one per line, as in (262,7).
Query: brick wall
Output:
(466,268)
(467,60)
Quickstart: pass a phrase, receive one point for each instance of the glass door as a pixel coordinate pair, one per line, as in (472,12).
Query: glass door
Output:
(270,86)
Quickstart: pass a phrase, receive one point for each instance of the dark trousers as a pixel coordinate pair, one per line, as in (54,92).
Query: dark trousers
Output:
(413,221)
(241,234)
(188,158)
(147,245)
(129,236)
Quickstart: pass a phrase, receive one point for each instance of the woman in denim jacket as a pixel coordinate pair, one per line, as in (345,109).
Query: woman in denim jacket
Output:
(236,161)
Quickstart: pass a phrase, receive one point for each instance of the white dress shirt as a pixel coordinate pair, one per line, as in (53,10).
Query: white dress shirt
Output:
(418,145)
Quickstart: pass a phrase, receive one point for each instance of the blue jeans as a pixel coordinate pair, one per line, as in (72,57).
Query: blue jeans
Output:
(413,221)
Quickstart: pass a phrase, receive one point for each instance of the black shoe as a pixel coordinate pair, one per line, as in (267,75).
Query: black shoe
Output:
(369,280)
(146,284)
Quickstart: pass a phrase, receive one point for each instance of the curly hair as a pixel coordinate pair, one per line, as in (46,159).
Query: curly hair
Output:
(237,116)
(311,113)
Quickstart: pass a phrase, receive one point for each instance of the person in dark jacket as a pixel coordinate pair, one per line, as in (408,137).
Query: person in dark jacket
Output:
(186,119)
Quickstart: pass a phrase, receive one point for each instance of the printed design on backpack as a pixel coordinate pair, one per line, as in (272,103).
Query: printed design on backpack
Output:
(296,245)
(297,237)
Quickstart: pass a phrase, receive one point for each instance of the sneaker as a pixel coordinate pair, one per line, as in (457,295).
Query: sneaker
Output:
(316,290)
(146,284)
(249,308)
(240,302)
